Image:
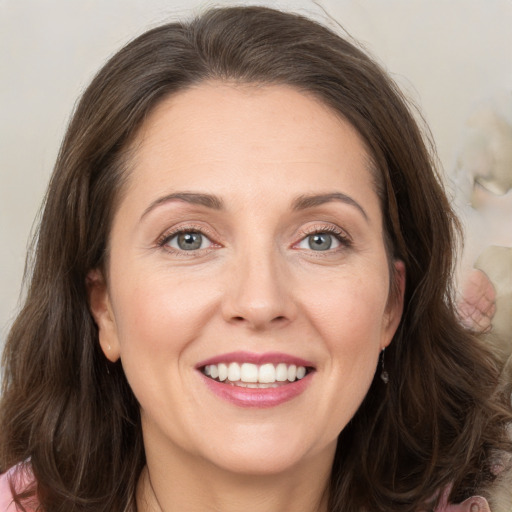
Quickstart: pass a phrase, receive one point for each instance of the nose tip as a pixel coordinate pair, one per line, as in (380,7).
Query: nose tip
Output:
(259,296)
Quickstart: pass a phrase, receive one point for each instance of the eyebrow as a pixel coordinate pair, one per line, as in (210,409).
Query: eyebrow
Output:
(310,201)
(302,202)
(208,200)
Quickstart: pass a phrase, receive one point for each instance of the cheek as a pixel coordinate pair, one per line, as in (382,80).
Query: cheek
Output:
(350,320)
(158,317)
(349,310)
(160,312)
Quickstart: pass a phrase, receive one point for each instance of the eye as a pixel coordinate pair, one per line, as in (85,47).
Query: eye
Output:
(187,241)
(319,242)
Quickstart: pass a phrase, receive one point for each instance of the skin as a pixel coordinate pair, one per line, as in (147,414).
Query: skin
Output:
(254,285)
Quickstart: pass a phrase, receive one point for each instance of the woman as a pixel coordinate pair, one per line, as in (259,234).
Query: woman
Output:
(240,296)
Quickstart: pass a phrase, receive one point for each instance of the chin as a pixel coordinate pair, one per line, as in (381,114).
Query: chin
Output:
(259,464)
(266,455)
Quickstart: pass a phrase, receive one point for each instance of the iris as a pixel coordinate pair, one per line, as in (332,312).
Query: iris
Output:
(320,241)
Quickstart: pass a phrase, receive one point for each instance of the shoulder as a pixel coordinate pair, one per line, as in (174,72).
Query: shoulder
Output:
(18,478)
(5,492)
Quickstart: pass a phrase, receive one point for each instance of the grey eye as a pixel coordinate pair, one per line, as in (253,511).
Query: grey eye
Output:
(320,241)
(187,241)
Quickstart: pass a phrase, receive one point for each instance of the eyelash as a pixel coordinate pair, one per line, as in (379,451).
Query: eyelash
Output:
(169,235)
(163,240)
(340,235)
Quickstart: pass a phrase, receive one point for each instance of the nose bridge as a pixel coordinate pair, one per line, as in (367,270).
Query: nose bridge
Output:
(259,293)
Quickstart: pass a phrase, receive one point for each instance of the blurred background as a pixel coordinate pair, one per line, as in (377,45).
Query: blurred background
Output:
(451,58)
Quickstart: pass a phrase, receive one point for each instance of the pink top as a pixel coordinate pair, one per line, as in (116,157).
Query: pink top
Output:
(22,478)
(18,478)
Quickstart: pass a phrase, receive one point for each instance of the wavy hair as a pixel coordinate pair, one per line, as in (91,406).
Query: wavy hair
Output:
(442,418)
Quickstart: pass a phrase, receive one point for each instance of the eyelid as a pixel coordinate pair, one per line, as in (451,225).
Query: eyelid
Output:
(341,235)
(169,234)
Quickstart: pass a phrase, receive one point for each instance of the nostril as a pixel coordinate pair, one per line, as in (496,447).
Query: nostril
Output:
(276,319)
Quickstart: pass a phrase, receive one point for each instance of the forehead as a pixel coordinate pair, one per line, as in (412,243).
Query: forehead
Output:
(265,135)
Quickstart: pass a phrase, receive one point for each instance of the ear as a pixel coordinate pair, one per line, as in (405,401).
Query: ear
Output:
(395,305)
(101,310)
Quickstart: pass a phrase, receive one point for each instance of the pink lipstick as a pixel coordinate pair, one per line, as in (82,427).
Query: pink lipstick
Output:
(256,380)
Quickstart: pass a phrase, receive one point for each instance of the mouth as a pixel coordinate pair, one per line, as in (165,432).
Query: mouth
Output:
(255,376)
(246,379)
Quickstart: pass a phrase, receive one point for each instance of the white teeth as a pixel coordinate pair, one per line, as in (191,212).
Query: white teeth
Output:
(234,372)
(251,375)
(267,373)
(255,386)
(223,372)
(281,372)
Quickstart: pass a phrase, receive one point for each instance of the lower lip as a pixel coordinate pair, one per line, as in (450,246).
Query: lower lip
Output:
(258,397)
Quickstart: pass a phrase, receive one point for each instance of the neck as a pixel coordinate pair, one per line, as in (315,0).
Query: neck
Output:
(195,487)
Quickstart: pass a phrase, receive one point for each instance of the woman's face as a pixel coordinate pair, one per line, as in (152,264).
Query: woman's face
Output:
(249,243)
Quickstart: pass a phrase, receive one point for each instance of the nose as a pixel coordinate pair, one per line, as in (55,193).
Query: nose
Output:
(259,292)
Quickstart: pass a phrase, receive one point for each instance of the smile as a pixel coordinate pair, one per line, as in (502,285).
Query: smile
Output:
(250,375)
(246,379)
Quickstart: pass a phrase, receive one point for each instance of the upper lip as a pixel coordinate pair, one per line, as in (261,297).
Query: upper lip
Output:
(255,358)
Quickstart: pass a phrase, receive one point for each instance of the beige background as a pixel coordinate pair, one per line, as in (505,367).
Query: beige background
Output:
(450,56)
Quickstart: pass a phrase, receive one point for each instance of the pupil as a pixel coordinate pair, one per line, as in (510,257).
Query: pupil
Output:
(190,241)
(320,242)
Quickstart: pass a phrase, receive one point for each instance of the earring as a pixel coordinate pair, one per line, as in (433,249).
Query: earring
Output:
(384,375)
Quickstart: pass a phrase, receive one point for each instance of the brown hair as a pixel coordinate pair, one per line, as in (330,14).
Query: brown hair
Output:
(439,421)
